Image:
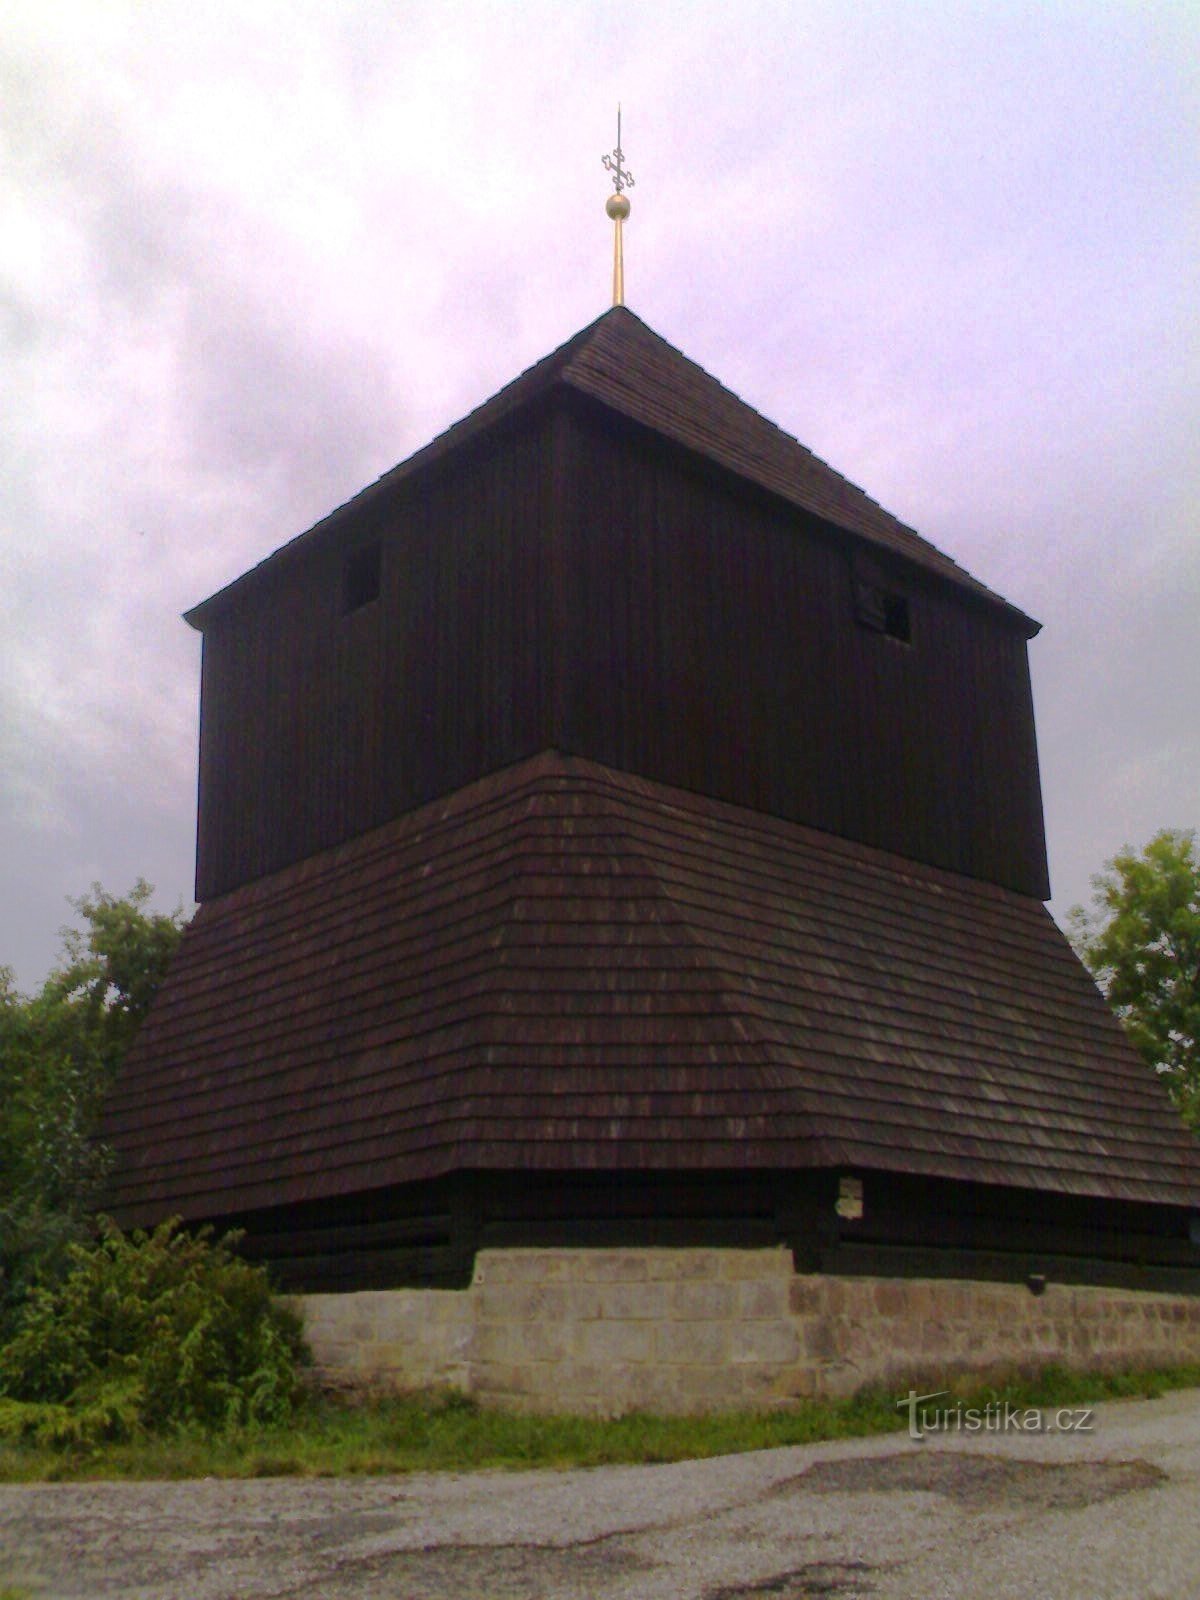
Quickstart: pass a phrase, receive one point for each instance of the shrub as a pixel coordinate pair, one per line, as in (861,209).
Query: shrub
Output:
(151,1332)
(60,1050)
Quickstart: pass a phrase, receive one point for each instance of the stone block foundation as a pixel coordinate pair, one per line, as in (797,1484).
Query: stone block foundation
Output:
(604,1331)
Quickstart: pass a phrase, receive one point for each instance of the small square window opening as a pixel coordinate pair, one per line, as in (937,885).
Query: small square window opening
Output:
(883,610)
(895,618)
(360,578)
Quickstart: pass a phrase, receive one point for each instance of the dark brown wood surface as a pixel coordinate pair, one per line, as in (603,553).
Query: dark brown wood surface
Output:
(618,566)
(429,1234)
(564,967)
(620,362)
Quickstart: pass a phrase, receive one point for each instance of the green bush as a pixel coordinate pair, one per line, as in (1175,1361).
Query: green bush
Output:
(148,1333)
(60,1051)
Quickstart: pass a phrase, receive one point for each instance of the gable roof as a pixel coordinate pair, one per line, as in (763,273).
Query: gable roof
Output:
(621,363)
(566,967)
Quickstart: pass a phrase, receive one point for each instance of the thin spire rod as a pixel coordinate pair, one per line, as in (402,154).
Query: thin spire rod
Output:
(617,207)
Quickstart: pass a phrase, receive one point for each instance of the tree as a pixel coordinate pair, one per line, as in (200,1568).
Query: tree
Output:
(111,973)
(59,1052)
(103,1334)
(1141,942)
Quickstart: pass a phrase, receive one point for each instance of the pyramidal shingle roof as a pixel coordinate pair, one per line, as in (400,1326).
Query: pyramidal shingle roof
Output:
(565,967)
(621,363)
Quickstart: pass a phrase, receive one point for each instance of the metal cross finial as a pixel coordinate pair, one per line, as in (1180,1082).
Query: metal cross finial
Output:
(622,179)
(617,207)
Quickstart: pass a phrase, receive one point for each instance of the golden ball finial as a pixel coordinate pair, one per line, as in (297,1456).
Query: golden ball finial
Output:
(617,207)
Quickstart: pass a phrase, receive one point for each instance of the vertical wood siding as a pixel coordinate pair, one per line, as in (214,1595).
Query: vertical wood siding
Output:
(569,582)
(714,645)
(318,725)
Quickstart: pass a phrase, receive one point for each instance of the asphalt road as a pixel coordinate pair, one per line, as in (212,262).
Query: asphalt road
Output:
(1113,1512)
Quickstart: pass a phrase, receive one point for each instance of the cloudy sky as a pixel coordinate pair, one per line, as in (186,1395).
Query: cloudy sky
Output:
(253,254)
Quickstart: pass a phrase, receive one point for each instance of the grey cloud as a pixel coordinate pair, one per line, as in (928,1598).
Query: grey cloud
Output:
(887,233)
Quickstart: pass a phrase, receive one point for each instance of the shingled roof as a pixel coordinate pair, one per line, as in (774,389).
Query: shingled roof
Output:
(565,967)
(629,369)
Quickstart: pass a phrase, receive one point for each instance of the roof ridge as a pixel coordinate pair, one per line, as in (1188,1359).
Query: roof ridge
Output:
(531,380)
(652,1029)
(761,449)
(617,360)
(729,989)
(681,355)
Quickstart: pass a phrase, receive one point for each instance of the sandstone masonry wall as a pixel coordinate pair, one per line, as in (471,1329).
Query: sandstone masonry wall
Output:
(604,1331)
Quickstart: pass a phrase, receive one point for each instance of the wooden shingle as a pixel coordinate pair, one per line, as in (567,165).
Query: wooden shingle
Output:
(566,967)
(623,365)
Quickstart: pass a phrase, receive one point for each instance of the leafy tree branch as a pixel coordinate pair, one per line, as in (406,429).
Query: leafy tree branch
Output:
(1141,942)
(59,1052)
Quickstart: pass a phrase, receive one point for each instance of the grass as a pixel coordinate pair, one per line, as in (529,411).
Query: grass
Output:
(450,1433)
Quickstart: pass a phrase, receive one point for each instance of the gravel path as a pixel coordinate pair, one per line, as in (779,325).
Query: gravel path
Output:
(1113,1513)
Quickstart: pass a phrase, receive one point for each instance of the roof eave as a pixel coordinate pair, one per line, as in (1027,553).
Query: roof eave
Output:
(517,395)
(963,585)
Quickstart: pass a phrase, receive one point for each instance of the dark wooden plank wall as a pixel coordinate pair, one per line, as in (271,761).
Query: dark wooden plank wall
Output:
(715,646)
(572,583)
(317,725)
(428,1234)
